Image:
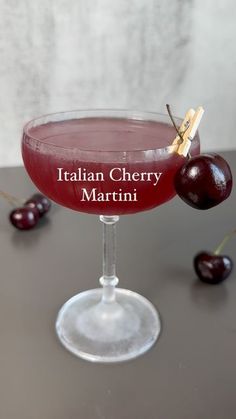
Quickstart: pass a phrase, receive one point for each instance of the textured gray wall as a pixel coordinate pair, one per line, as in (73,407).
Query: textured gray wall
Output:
(66,54)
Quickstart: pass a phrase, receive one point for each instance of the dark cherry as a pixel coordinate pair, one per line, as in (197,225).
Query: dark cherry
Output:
(42,200)
(211,268)
(24,218)
(204,181)
(33,203)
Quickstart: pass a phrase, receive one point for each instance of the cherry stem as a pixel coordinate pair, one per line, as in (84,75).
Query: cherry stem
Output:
(173,121)
(10,198)
(222,244)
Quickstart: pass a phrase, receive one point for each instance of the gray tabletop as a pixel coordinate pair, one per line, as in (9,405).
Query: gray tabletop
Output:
(189,374)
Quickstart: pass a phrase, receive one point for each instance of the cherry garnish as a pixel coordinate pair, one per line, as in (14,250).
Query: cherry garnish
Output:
(204,181)
(24,218)
(212,268)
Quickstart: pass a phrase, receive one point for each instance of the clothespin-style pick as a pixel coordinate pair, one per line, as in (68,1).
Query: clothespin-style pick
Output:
(185,124)
(190,132)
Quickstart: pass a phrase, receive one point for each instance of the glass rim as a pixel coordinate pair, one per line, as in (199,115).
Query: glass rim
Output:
(119,113)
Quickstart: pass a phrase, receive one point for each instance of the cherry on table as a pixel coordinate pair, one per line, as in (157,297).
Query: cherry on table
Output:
(40,202)
(212,268)
(33,203)
(204,181)
(24,218)
(43,201)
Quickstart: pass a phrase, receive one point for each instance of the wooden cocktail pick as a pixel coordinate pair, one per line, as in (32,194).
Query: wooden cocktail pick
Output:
(185,124)
(192,121)
(190,132)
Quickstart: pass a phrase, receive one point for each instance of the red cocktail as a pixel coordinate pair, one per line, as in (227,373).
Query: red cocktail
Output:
(107,163)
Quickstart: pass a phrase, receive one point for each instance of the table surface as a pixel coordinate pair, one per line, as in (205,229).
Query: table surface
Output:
(189,374)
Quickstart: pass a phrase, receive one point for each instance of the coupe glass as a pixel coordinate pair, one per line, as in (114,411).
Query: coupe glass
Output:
(105,324)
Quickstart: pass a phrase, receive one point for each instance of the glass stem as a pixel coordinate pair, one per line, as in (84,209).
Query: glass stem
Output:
(109,279)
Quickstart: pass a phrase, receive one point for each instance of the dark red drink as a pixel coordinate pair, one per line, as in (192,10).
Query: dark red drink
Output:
(108,166)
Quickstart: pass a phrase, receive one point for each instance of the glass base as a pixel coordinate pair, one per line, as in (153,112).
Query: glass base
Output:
(108,331)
